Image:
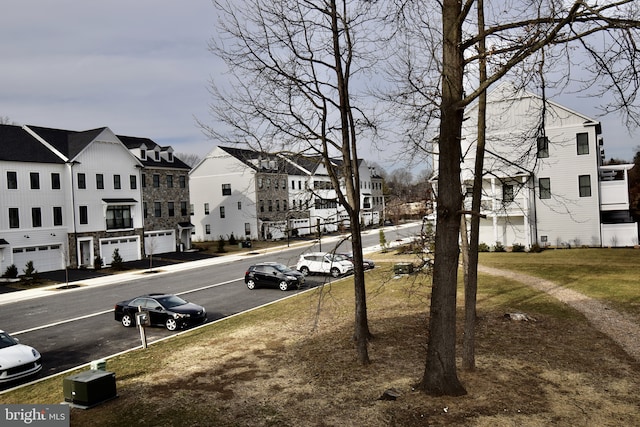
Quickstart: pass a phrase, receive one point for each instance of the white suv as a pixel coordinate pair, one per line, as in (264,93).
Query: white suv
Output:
(319,262)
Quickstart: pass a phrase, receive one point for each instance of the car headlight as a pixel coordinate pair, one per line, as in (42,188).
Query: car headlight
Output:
(35,352)
(291,278)
(181,316)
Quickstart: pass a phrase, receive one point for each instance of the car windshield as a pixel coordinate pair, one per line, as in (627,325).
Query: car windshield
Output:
(171,301)
(6,340)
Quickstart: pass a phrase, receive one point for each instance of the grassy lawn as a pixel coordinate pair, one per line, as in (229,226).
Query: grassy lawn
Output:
(293,363)
(611,275)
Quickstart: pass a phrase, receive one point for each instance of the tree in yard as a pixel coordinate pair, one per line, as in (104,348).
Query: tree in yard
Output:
(518,35)
(296,66)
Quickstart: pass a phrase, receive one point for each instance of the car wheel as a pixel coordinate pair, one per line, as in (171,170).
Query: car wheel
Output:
(127,320)
(335,272)
(251,284)
(283,285)
(171,324)
(304,270)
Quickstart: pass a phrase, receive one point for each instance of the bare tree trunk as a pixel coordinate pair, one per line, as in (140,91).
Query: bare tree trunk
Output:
(440,375)
(471,282)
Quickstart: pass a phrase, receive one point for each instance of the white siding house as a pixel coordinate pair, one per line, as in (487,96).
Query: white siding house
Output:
(543,180)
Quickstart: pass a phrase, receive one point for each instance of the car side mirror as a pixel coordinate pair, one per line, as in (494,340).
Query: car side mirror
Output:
(159,308)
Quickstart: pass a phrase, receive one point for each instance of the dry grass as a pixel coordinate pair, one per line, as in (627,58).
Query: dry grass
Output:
(289,364)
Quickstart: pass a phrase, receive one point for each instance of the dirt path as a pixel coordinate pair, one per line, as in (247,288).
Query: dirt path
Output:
(621,328)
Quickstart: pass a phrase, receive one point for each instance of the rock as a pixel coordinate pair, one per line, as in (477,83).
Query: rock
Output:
(390,394)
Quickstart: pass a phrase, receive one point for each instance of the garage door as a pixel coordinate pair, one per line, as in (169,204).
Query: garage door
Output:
(128,248)
(45,258)
(159,242)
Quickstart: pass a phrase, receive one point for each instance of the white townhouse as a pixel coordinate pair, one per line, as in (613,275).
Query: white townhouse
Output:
(67,198)
(268,196)
(543,179)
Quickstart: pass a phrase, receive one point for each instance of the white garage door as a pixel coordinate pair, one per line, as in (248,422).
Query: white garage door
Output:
(159,242)
(128,248)
(45,258)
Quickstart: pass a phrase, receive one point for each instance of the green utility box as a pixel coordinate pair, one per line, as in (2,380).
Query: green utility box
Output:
(89,388)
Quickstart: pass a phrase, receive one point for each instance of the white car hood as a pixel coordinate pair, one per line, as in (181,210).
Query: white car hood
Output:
(16,355)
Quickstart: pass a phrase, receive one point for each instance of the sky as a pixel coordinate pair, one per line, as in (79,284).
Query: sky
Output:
(142,68)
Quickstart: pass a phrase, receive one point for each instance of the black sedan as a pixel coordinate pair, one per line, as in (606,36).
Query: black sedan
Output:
(368,264)
(166,310)
(273,274)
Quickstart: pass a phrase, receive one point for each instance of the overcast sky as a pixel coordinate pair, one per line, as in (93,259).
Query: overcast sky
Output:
(140,68)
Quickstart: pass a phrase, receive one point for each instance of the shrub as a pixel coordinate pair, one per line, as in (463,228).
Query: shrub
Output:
(11,272)
(116,260)
(221,245)
(97,263)
(483,247)
(499,248)
(383,241)
(29,271)
(232,240)
(517,247)
(536,248)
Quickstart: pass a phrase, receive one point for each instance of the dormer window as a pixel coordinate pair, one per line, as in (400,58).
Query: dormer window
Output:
(170,156)
(143,154)
(157,158)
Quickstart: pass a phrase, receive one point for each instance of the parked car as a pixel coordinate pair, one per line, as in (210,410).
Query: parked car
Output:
(273,274)
(324,263)
(368,264)
(166,310)
(17,360)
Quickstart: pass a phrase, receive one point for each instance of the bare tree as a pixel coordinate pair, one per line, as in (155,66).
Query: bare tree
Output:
(437,89)
(189,158)
(295,68)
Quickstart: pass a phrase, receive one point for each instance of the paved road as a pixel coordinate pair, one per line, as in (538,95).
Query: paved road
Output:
(71,326)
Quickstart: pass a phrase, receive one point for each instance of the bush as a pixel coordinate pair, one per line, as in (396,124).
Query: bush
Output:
(232,240)
(517,247)
(29,271)
(116,260)
(483,247)
(536,248)
(499,248)
(11,272)
(221,245)
(97,263)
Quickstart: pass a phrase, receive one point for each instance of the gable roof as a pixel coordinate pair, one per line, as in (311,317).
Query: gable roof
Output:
(68,142)
(18,145)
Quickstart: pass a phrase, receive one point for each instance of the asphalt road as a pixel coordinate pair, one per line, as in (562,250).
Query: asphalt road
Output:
(73,327)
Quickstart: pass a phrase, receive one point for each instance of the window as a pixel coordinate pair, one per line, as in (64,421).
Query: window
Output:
(156,156)
(206,208)
(144,180)
(543,147)
(82,181)
(143,154)
(156,180)
(116,182)
(133,182)
(119,217)
(284,205)
(36,217)
(144,209)
(222,212)
(169,181)
(270,205)
(584,183)
(207,229)
(239,206)
(157,209)
(55,181)
(261,205)
(12,180)
(582,142)
(325,203)
(57,215)
(507,193)
(14,218)
(293,185)
(545,188)
(277,205)
(247,228)
(183,208)
(171,209)
(183,181)
(259,182)
(99,181)
(34,178)
(84,215)
(170,156)
(226,189)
